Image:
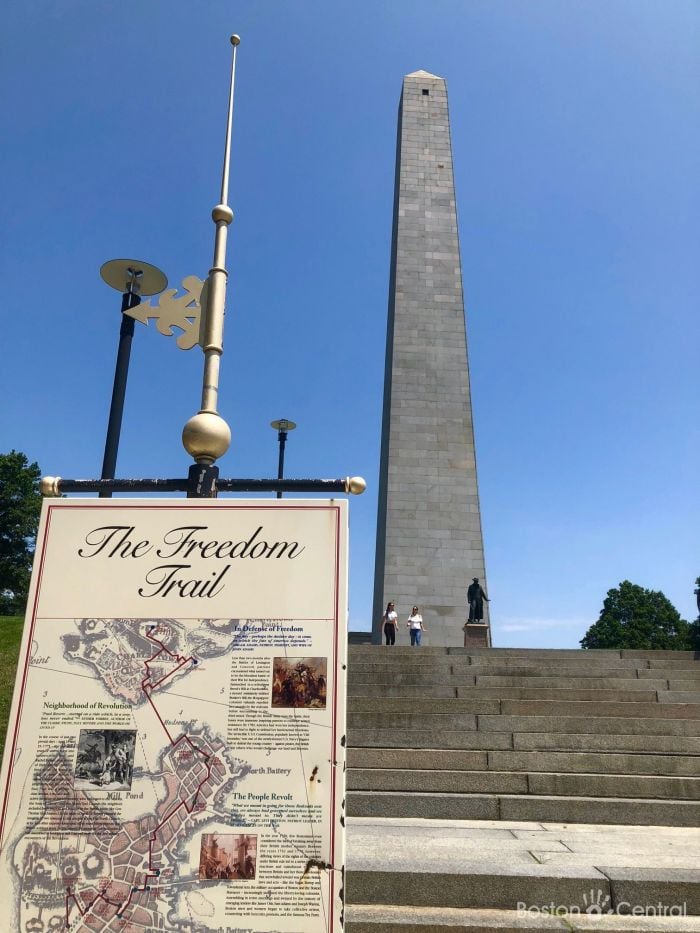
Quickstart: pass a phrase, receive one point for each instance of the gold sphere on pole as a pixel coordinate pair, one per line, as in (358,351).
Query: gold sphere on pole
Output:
(206,437)
(355,485)
(222,212)
(49,486)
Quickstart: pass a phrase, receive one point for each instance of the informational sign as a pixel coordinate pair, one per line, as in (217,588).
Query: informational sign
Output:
(176,748)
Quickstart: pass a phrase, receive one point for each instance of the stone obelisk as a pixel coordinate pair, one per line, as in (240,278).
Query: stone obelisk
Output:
(429,539)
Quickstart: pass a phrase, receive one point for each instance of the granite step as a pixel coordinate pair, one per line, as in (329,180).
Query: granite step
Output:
(511,707)
(443,722)
(679,696)
(523,741)
(678,765)
(629,680)
(383,918)
(424,738)
(560,762)
(681,684)
(653,787)
(524,677)
(616,725)
(452,706)
(541,808)
(589,742)
(583,683)
(357,690)
(425,658)
(590,654)
(664,710)
(390,689)
(413,720)
(533,667)
(464,865)
(487,661)
(364,651)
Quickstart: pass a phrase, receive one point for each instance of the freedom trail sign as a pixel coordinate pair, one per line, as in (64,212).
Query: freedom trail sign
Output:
(175,755)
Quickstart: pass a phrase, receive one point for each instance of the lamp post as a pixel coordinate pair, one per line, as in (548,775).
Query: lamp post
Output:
(283,426)
(133,279)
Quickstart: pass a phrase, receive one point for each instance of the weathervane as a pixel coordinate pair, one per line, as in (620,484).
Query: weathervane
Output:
(183,311)
(199,314)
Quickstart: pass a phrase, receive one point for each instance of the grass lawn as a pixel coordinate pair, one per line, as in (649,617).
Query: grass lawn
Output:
(10,637)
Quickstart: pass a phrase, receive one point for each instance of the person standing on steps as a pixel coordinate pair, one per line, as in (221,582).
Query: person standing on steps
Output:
(475,599)
(391,623)
(415,626)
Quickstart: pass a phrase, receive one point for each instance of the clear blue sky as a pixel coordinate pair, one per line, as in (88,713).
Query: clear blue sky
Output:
(576,135)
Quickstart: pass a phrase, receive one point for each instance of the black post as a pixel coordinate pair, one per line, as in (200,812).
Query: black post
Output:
(201,481)
(116,409)
(282,437)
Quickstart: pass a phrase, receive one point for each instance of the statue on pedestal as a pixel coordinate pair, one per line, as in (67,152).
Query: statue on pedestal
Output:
(475,600)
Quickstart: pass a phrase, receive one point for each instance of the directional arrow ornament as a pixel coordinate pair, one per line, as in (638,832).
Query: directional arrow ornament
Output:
(187,312)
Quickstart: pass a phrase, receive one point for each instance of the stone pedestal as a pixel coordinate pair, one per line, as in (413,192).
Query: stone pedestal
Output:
(477,635)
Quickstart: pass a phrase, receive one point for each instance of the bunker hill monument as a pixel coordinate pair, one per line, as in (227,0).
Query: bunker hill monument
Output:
(429,538)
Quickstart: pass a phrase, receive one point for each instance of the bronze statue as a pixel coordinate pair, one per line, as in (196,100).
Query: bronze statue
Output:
(475,599)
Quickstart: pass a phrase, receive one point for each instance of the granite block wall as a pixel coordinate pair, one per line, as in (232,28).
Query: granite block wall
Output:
(429,537)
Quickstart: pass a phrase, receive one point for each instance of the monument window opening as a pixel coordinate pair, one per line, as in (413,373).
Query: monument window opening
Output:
(426,91)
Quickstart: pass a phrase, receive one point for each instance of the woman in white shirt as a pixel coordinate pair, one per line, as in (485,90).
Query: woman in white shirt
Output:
(391,621)
(415,626)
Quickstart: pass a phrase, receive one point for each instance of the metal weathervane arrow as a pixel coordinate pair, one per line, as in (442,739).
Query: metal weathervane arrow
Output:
(185,312)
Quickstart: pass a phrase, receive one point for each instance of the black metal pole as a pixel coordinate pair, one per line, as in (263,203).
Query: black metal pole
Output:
(201,481)
(121,372)
(282,436)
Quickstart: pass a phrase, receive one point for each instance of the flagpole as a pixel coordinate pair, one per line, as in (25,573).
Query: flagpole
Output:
(206,436)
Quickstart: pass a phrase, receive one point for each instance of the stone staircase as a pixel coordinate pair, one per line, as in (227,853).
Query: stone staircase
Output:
(523,741)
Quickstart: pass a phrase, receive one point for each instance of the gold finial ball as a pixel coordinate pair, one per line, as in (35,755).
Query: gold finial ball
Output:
(206,437)
(235,40)
(222,212)
(49,486)
(356,485)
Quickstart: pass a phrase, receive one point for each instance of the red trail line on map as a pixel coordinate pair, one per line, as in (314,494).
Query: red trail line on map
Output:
(152,873)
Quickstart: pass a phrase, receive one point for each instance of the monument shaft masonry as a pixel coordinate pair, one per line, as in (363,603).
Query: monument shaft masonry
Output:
(429,538)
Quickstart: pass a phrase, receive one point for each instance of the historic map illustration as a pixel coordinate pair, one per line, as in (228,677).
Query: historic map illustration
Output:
(176,771)
(82,864)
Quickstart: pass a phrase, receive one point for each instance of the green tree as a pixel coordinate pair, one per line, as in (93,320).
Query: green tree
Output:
(633,617)
(20,505)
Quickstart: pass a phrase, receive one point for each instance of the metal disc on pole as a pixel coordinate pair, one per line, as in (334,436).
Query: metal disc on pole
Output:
(283,424)
(134,279)
(132,274)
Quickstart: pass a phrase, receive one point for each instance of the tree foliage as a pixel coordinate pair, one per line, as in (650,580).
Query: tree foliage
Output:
(20,505)
(633,617)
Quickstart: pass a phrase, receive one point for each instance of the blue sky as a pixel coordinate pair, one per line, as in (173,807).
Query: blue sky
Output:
(576,138)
